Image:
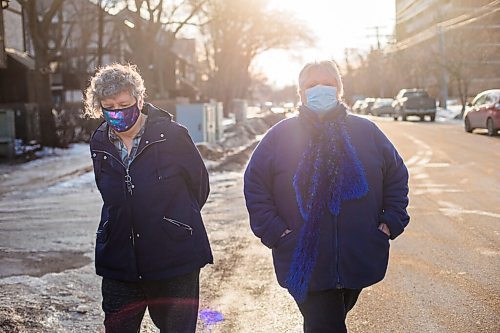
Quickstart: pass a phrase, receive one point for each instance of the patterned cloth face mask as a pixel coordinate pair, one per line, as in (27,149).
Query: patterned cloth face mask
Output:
(121,120)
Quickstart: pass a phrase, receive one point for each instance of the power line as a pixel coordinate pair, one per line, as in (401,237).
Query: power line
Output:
(378,35)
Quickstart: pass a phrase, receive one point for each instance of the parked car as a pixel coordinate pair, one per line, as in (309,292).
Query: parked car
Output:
(289,106)
(382,106)
(356,107)
(484,112)
(367,105)
(414,102)
(267,106)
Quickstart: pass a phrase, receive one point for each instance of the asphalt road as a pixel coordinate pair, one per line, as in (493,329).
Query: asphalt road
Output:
(444,271)
(443,274)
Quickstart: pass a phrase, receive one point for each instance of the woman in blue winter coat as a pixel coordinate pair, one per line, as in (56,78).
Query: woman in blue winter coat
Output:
(326,191)
(151,241)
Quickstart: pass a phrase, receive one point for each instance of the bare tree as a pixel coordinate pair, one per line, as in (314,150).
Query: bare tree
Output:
(379,74)
(236,33)
(103,6)
(153,29)
(90,34)
(46,43)
(466,54)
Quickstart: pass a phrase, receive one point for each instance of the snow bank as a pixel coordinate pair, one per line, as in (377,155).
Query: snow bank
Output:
(238,142)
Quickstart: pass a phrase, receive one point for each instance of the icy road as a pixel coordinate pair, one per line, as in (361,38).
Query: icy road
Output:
(444,271)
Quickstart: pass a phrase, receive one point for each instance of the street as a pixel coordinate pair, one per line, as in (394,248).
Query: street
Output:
(443,272)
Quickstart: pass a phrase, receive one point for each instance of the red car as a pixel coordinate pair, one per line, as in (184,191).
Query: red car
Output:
(484,112)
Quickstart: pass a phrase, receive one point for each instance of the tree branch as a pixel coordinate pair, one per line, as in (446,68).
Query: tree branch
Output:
(189,17)
(49,15)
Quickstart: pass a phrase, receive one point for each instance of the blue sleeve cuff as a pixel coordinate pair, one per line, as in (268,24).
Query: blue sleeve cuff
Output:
(396,226)
(273,233)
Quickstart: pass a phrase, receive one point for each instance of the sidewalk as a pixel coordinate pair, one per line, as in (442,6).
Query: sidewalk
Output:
(49,210)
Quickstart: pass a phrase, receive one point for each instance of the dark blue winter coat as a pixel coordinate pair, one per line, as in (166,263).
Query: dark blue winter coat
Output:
(151,227)
(353,252)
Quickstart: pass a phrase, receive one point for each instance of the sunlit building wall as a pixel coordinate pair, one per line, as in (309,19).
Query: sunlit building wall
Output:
(444,26)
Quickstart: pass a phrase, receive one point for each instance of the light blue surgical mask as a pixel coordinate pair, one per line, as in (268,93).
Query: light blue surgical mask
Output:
(321,99)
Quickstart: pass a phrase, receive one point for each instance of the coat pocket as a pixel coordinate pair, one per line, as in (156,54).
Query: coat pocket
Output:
(287,242)
(382,234)
(102,233)
(177,230)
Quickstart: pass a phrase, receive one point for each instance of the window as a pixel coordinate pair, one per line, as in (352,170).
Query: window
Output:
(492,98)
(420,93)
(479,100)
(489,100)
(496,97)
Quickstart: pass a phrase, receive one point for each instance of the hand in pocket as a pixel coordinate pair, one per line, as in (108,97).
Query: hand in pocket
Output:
(385,229)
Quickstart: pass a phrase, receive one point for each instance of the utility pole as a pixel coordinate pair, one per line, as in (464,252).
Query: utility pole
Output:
(100,32)
(3,58)
(377,35)
(444,72)
(379,57)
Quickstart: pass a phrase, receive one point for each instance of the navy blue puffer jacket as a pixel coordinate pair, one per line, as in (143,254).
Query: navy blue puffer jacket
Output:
(151,227)
(353,252)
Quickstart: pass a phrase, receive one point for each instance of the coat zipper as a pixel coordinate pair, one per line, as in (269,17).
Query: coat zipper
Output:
(128,181)
(180,224)
(128,178)
(338,285)
(105,152)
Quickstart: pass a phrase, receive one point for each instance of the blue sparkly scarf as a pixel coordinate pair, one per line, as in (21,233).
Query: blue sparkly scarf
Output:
(328,173)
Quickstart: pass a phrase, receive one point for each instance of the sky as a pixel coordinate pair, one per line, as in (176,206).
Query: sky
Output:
(336,25)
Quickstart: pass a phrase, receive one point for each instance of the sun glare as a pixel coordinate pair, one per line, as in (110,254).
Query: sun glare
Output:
(336,25)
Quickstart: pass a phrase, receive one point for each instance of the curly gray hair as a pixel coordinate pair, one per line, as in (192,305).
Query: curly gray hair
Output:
(110,80)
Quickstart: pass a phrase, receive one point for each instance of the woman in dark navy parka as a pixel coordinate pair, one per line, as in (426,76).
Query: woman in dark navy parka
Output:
(151,241)
(326,191)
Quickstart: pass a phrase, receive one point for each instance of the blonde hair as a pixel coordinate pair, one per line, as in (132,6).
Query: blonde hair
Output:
(329,66)
(110,80)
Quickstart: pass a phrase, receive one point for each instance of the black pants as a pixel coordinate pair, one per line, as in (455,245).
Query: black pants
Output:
(325,311)
(172,304)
